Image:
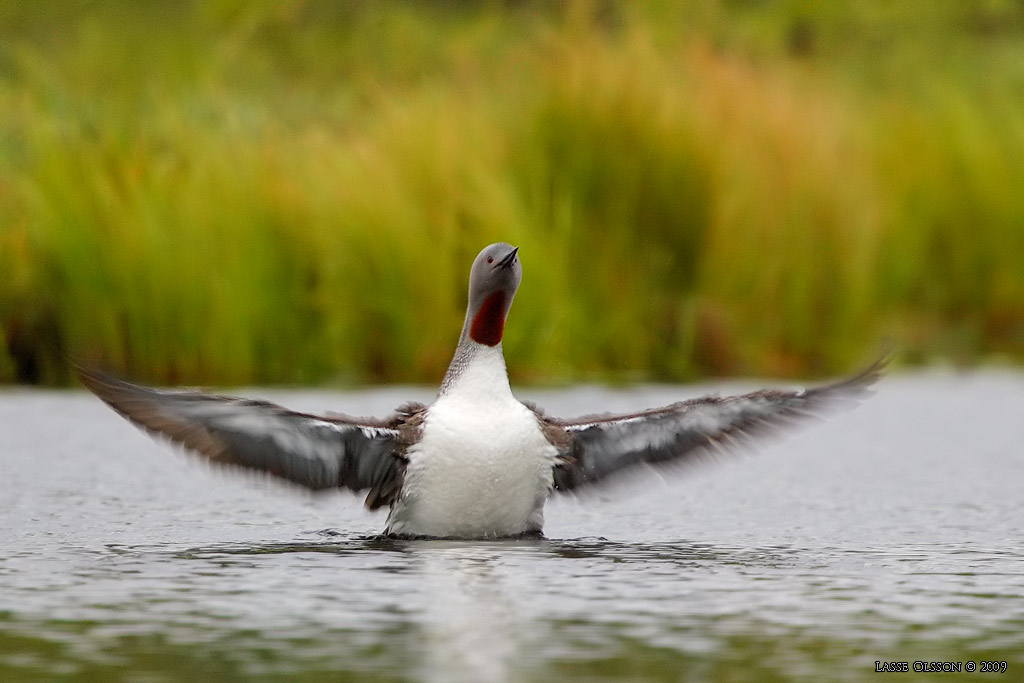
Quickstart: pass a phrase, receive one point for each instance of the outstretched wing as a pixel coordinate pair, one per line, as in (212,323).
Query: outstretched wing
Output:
(595,447)
(315,452)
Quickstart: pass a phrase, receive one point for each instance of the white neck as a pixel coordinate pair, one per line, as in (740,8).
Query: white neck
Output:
(477,373)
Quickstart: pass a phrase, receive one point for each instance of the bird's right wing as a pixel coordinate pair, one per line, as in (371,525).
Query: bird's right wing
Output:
(317,453)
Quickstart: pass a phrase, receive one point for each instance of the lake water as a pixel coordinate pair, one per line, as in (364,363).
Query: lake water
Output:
(890,533)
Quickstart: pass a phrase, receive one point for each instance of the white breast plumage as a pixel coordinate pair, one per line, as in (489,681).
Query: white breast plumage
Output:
(482,466)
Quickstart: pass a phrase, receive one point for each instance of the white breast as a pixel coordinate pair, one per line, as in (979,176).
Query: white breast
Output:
(482,467)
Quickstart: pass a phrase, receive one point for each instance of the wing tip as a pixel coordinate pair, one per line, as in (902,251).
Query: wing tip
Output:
(89,376)
(109,389)
(99,383)
(866,379)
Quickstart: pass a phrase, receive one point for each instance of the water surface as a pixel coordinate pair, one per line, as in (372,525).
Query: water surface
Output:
(890,533)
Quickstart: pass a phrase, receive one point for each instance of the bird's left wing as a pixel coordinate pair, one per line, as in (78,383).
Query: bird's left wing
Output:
(596,447)
(315,452)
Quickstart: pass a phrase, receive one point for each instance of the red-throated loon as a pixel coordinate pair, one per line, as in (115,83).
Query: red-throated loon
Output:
(477,462)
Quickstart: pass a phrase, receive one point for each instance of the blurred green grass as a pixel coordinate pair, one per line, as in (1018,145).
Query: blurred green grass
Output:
(227,192)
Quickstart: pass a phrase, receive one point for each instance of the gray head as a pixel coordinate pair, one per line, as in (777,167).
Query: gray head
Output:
(493,282)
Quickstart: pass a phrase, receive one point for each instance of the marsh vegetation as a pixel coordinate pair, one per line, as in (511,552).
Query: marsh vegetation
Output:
(229,192)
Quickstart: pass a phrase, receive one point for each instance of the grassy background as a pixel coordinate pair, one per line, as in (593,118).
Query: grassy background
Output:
(229,192)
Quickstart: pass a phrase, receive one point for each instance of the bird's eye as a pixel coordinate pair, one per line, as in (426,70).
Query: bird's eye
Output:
(490,259)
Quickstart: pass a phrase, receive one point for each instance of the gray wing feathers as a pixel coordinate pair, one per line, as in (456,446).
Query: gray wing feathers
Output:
(315,452)
(598,446)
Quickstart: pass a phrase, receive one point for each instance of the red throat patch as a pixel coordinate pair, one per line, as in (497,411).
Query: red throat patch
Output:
(489,321)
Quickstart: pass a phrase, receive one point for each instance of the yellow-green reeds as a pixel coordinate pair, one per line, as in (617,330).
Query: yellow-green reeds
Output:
(227,192)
